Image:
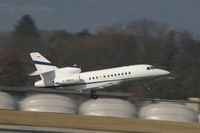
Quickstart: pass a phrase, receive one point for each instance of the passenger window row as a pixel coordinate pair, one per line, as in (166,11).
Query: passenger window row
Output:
(110,75)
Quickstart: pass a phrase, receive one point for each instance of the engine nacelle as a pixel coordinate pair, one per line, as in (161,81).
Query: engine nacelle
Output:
(68,80)
(62,72)
(42,83)
(39,83)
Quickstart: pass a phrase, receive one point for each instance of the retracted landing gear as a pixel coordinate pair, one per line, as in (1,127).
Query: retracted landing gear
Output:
(93,94)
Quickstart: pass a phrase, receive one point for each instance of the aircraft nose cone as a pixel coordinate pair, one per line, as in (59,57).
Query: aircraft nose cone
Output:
(164,72)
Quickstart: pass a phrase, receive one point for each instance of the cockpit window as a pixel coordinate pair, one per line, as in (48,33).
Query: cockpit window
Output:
(151,67)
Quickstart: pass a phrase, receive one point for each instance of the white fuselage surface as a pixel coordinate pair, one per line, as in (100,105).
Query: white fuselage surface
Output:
(73,78)
(101,78)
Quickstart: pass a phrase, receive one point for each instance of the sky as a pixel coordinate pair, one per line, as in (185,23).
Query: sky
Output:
(76,15)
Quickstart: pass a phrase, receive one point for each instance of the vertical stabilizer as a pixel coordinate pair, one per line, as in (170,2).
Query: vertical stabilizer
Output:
(41,63)
(44,67)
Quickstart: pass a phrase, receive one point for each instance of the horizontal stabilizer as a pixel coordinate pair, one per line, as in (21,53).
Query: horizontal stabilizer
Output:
(40,72)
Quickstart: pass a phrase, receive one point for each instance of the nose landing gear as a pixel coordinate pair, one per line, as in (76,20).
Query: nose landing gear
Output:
(93,94)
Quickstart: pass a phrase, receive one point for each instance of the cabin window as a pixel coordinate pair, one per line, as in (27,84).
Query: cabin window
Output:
(125,73)
(108,75)
(93,77)
(104,76)
(118,74)
(96,77)
(115,74)
(122,74)
(90,78)
(129,72)
(111,75)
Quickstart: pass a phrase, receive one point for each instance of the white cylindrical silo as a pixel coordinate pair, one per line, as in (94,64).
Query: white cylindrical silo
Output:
(108,107)
(7,101)
(169,112)
(49,103)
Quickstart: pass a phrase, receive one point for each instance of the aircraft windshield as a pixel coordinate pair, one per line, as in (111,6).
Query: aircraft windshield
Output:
(151,68)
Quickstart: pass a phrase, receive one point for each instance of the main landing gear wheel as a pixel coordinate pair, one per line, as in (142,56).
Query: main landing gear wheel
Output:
(93,94)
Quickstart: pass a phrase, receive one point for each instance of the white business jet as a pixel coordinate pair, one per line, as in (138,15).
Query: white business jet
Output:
(72,78)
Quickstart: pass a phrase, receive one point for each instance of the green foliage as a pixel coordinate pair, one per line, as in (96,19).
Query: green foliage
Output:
(26,27)
(13,73)
(59,35)
(25,37)
(145,42)
(83,33)
(139,42)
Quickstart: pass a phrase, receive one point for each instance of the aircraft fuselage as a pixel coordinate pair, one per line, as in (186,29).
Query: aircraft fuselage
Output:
(103,78)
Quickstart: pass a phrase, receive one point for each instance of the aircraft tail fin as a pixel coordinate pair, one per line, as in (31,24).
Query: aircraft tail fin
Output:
(41,63)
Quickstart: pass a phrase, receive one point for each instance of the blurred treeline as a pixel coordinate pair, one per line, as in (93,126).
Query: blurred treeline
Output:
(138,42)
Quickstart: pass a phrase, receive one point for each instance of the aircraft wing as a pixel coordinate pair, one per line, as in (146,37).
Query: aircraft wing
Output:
(102,86)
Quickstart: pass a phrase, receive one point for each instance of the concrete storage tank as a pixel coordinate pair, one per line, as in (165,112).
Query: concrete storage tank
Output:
(48,103)
(7,101)
(108,107)
(169,112)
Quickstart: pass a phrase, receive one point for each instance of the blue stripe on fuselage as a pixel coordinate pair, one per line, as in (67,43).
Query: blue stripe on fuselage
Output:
(85,83)
(43,63)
